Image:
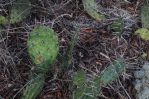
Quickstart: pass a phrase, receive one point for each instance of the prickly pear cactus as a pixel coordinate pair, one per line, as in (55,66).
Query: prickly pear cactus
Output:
(43,47)
(91,7)
(34,87)
(91,89)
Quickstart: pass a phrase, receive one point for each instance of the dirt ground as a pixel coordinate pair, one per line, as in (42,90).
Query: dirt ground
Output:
(95,48)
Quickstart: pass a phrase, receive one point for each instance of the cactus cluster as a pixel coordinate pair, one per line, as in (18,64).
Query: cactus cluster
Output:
(90,89)
(43,49)
(112,72)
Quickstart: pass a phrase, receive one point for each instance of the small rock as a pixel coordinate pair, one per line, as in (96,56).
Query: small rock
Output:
(141,82)
(139,74)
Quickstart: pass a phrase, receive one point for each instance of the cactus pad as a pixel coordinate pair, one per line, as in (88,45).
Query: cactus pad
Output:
(20,10)
(91,89)
(34,87)
(91,7)
(112,72)
(43,47)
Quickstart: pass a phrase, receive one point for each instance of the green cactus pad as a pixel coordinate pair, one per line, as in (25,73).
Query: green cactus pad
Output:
(43,47)
(112,72)
(20,10)
(91,8)
(34,87)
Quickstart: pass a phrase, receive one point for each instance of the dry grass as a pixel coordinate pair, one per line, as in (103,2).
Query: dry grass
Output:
(96,47)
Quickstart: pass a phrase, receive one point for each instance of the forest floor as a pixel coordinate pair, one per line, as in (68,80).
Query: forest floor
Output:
(96,46)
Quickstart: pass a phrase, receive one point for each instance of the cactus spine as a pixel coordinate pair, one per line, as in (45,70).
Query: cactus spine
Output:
(43,49)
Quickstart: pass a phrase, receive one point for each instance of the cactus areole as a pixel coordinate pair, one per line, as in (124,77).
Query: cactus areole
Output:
(42,47)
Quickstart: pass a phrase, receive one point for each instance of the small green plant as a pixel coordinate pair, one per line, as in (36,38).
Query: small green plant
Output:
(19,11)
(117,26)
(91,8)
(43,48)
(91,89)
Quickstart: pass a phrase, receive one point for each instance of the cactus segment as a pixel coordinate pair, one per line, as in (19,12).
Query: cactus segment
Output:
(34,87)
(43,47)
(85,90)
(91,8)
(20,10)
(112,72)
